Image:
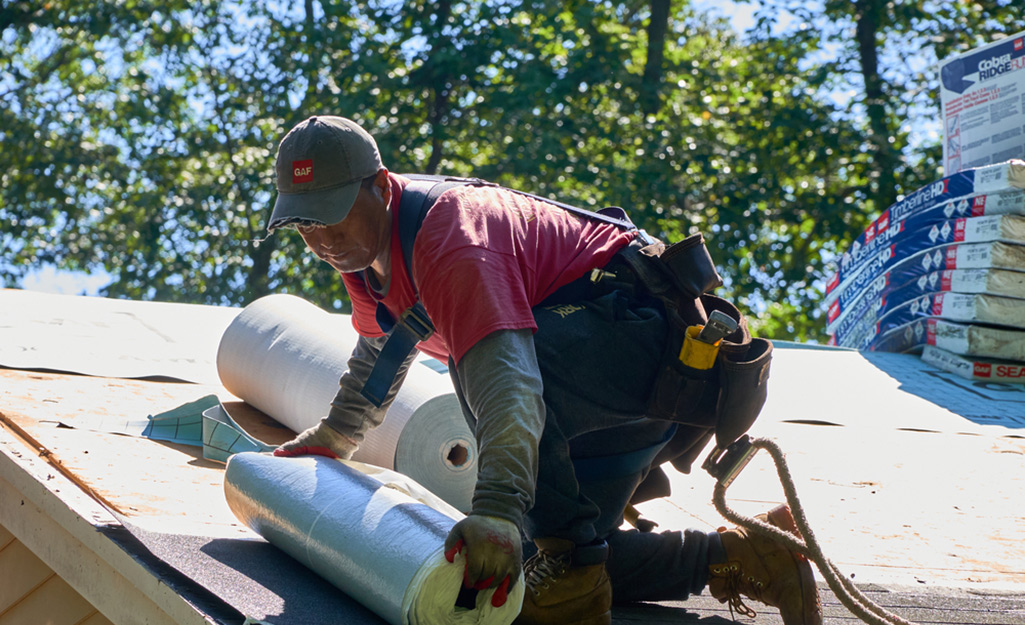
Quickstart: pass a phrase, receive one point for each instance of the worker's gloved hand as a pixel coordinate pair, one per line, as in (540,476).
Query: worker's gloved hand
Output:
(321,440)
(494,555)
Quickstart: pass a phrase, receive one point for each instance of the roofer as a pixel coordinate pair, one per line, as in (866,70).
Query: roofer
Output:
(552,361)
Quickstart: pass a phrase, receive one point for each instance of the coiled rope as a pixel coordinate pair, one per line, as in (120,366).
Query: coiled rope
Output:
(844,589)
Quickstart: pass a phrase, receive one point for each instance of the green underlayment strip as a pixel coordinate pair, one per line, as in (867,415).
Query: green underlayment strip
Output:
(200,423)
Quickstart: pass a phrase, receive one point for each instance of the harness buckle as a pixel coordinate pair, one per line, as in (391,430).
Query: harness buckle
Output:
(726,464)
(415,320)
(597,275)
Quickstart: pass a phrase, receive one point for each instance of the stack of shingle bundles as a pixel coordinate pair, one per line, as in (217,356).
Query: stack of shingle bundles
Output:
(944,268)
(982,264)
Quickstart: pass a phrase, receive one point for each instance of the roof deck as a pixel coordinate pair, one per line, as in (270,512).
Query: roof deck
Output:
(911,478)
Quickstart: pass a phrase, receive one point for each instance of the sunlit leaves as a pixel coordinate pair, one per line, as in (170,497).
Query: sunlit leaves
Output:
(140,136)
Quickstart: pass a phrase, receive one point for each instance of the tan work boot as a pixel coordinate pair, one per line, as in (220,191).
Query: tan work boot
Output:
(765,570)
(566,585)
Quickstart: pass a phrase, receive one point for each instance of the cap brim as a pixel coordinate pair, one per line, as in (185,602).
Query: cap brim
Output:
(327,207)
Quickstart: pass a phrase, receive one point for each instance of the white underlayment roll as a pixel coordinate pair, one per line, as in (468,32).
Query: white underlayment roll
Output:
(284,356)
(375,542)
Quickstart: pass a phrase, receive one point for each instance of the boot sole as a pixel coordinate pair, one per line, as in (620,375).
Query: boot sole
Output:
(782,518)
(601,619)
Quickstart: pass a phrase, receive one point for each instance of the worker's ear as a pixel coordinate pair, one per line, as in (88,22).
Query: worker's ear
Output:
(382,186)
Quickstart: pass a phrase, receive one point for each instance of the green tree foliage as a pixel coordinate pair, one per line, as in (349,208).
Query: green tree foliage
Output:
(139,137)
(122,147)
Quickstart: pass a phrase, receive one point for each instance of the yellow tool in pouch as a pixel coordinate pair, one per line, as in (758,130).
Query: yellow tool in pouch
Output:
(697,354)
(701,343)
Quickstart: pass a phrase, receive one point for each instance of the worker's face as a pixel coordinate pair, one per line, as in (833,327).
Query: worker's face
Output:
(361,239)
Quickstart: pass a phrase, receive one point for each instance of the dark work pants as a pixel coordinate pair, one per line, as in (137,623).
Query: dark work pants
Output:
(598,359)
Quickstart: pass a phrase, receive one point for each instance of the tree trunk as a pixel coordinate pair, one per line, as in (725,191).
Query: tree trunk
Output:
(258,283)
(887,159)
(440,86)
(651,81)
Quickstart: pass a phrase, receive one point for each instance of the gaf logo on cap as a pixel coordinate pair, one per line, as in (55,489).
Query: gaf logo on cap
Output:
(302,171)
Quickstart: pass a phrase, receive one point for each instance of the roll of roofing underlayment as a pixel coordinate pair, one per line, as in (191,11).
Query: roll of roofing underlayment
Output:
(369,536)
(284,356)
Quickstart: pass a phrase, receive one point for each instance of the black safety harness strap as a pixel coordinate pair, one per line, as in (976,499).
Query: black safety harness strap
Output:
(414,325)
(725,400)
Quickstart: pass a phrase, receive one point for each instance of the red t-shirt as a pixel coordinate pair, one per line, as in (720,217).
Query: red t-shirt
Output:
(482,259)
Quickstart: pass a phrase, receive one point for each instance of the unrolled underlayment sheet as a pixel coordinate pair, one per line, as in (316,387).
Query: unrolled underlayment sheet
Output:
(110,337)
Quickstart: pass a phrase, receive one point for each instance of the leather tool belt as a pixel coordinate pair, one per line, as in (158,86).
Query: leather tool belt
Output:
(727,398)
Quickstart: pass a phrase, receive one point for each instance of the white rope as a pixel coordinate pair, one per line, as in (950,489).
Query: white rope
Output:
(844,589)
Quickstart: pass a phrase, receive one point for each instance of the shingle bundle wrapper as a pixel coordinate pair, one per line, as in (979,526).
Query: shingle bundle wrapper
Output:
(889,296)
(957,338)
(986,191)
(979,369)
(952,251)
(875,315)
(370,537)
(284,356)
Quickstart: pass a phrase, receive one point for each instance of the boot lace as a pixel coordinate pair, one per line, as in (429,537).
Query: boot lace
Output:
(543,568)
(734,578)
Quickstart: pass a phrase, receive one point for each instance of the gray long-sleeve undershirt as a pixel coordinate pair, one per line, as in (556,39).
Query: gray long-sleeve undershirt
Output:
(501,384)
(351,413)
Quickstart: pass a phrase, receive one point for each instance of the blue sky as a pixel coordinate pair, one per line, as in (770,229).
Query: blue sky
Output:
(50,280)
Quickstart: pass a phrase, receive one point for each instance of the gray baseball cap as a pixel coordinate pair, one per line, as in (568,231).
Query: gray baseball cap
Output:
(320,165)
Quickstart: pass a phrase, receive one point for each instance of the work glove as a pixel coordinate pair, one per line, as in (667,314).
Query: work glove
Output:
(320,440)
(493,552)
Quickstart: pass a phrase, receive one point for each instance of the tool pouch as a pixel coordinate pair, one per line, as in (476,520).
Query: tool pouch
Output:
(743,388)
(723,401)
(680,273)
(726,397)
(690,267)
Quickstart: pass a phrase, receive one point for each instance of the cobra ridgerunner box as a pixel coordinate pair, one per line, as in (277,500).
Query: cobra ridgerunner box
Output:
(983,112)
